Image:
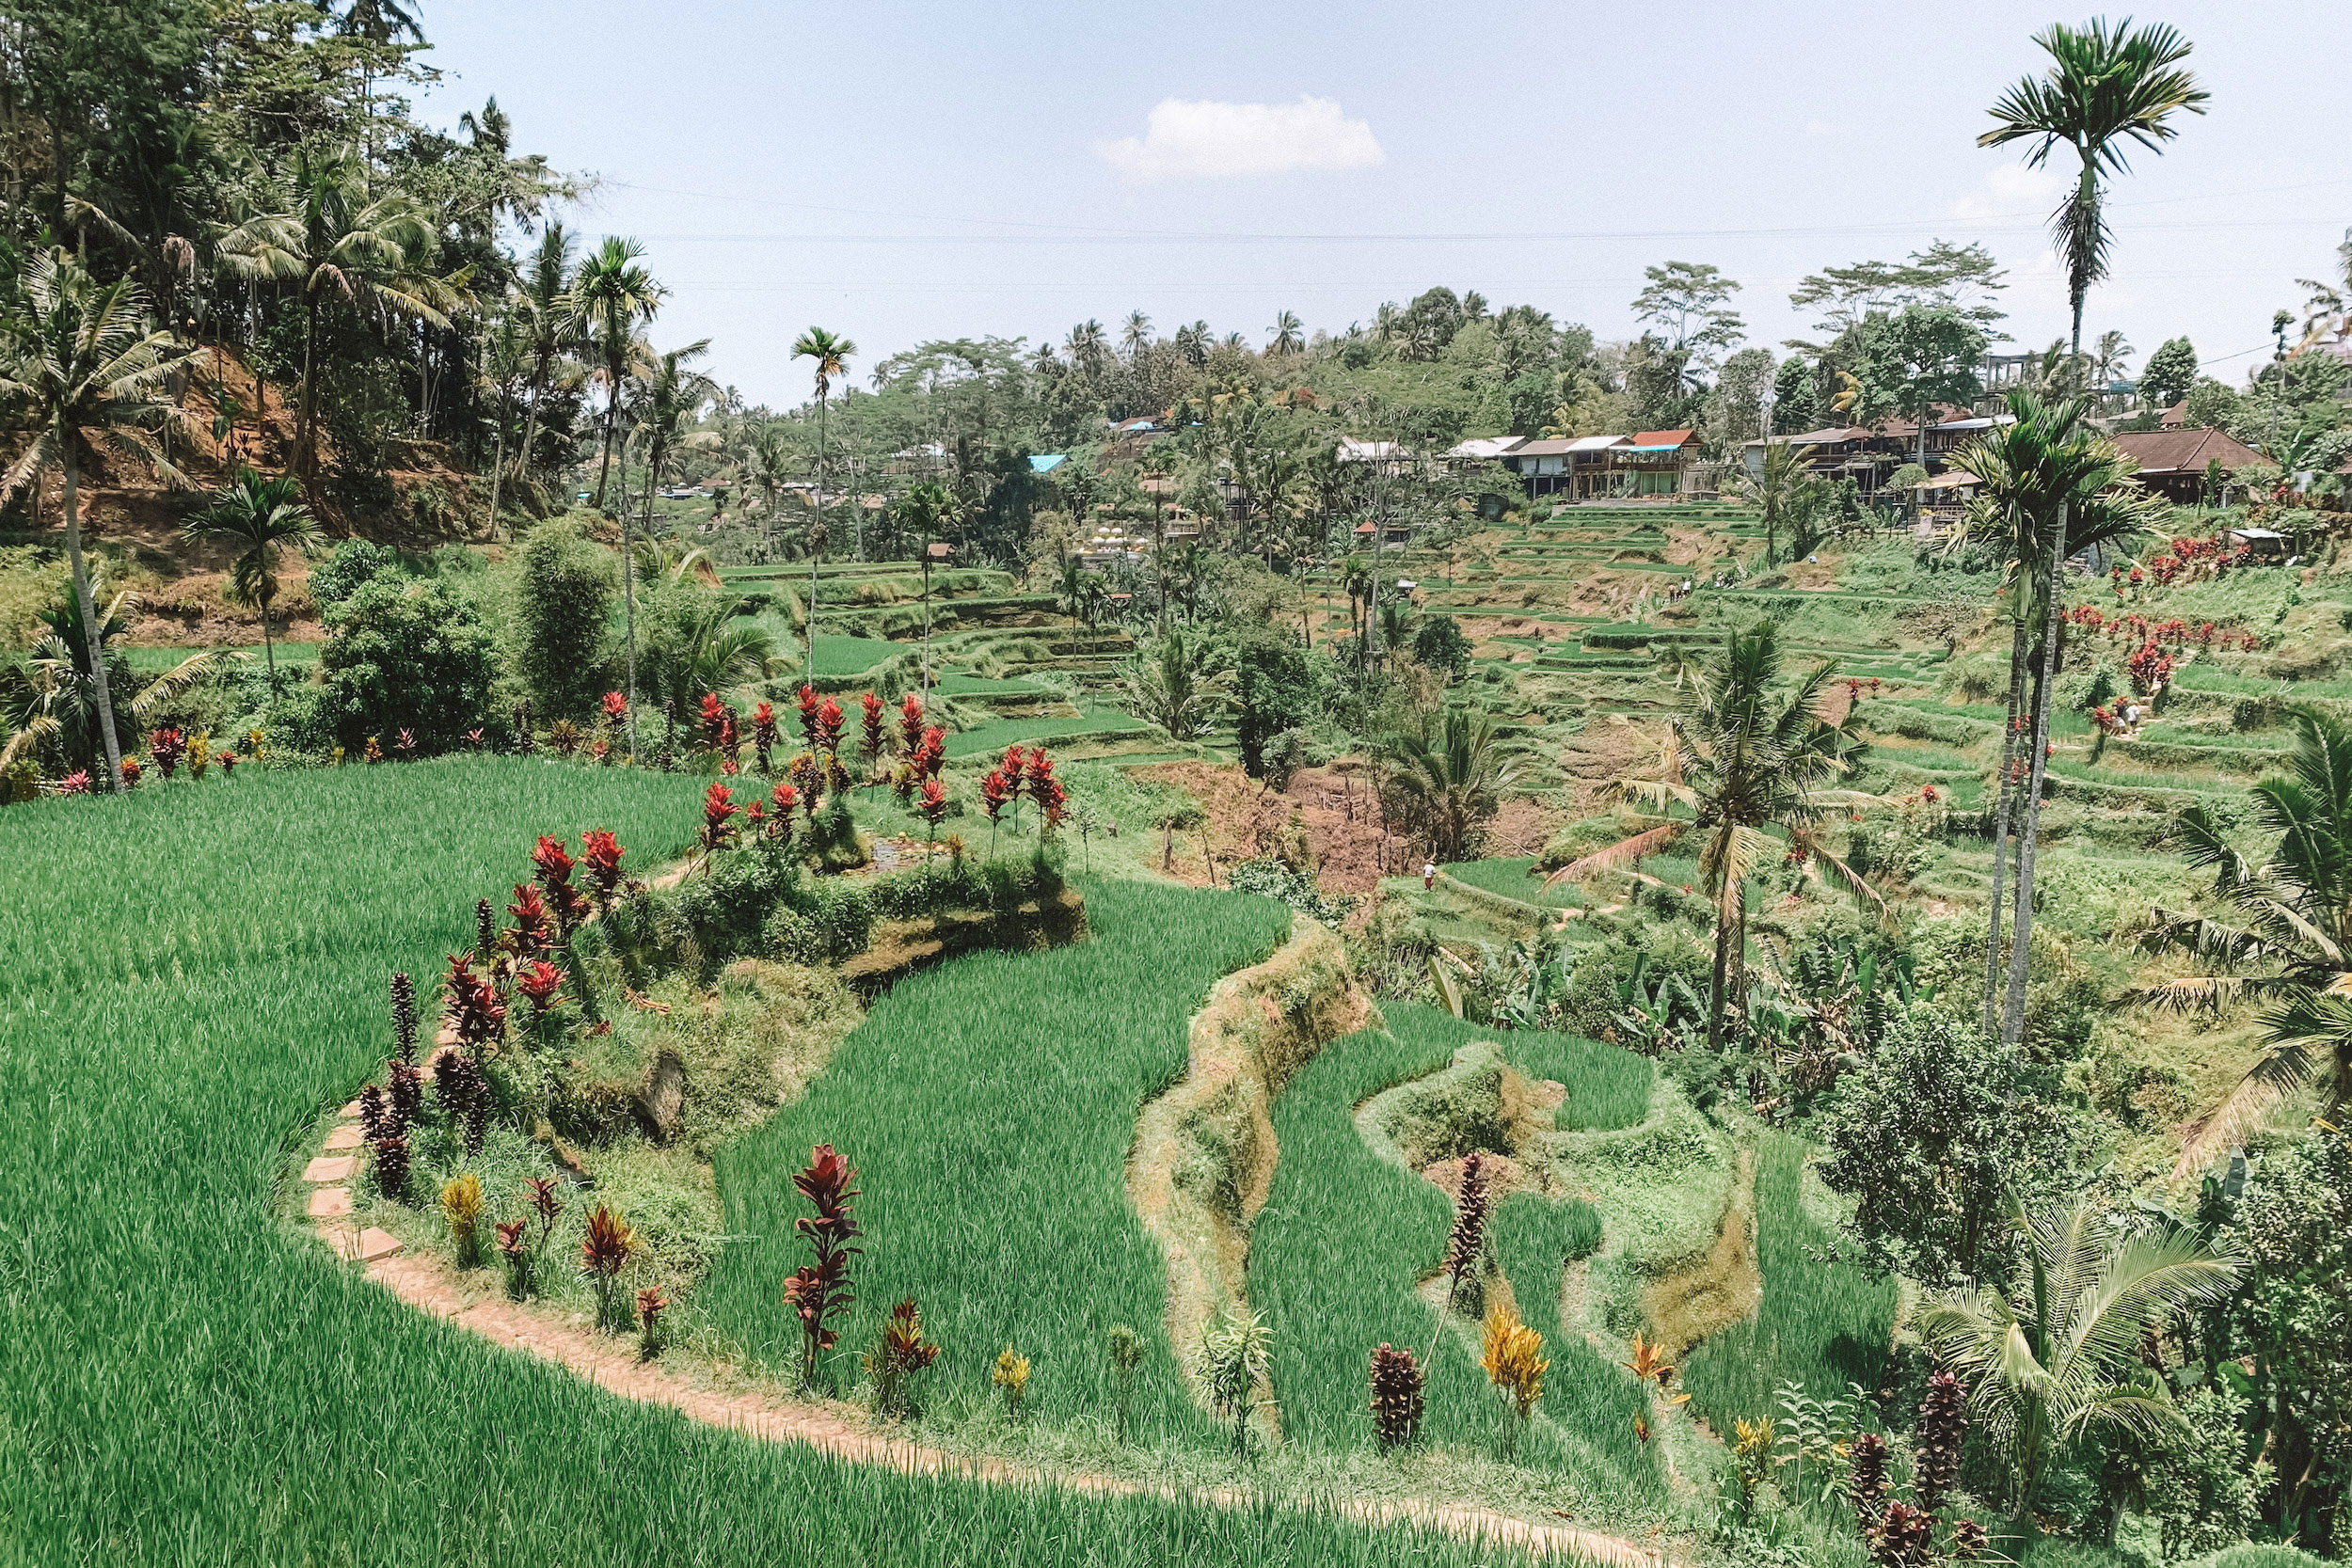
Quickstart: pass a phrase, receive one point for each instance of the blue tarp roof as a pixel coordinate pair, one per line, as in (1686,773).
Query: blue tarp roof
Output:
(1048,463)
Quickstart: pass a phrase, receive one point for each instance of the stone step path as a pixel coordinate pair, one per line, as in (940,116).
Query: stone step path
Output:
(330,1197)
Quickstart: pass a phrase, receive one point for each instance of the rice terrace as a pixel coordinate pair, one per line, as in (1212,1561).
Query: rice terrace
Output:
(1690,913)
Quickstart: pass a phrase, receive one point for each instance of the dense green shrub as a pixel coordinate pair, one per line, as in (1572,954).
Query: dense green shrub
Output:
(340,575)
(562,603)
(404,656)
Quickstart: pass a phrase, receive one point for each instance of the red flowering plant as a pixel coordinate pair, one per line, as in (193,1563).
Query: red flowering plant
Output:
(830,720)
(131,772)
(601,853)
(165,747)
(819,1292)
(995,794)
(77,782)
(615,710)
(931,806)
(539,981)
(730,741)
(872,737)
(780,826)
(552,862)
(471,1005)
(712,719)
(932,755)
(808,718)
(718,809)
(910,723)
(532,936)
(1045,788)
(764,736)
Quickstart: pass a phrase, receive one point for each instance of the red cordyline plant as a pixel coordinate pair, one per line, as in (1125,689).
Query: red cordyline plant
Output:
(902,1354)
(1469,1224)
(830,720)
(730,740)
(819,1292)
(77,782)
(1398,1383)
(651,1304)
(713,718)
(374,1115)
(872,735)
(403,1018)
(166,745)
(995,793)
(718,809)
(600,851)
(471,1005)
(808,777)
(551,862)
(540,1190)
(603,1254)
(785,800)
(389,1163)
(615,710)
(1014,767)
(532,934)
(1045,788)
(808,718)
(539,981)
(517,1251)
(764,736)
(404,1095)
(910,723)
(132,772)
(931,807)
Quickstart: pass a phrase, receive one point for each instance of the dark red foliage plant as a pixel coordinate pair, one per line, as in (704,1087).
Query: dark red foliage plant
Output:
(166,745)
(471,1005)
(872,732)
(1470,1224)
(1935,1457)
(1867,1478)
(910,723)
(374,1115)
(390,1166)
(551,862)
(404,1097)
(764,736)
(901,1354)
(718,809)
(713,718)
(540,1190)
(539,981)
(604,1252)
(531,935)
(1397,1398)
(403,1018)
(600,851)
(830,720)
(808,718)
(819,1292)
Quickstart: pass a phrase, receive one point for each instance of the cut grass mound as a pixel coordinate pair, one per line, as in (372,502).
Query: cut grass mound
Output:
(989,1105)
(1821,1324)
(1346,1235)
(194,972)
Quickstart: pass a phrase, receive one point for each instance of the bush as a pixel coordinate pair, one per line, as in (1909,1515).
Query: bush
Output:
(404,656)
(1287,884)
(561,605)
(355,562)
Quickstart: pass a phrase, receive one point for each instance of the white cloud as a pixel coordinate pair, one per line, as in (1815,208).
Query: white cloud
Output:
(2010,190)
(1194,139)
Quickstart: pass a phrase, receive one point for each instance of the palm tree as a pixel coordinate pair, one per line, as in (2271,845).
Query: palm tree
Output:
(1136,335)
(831,355)
(770,467)
(2048,486)
(540,301)
(1774,489)
(924,511)
(610,297)
(261,518)
(668,399)
(1743,763)
(2056,1352)
(2108,84)
(53,695)
(85,375)
(2108,356)
(1287,338)
(1175,690)
(722,652)
(1452,770)
(334,239)
(2295,912)
(1071,592)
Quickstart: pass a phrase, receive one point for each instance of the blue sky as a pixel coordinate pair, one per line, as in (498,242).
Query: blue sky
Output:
(904,171)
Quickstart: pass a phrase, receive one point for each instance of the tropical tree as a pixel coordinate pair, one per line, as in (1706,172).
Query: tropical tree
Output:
(1288,337)
(335,239)
(1775,488)
(2292,925)
(925,512)
(86,377)
(830,353)
(1743,762)
(2048,485)
(1450,771)
(51,697)
(1174,688)
(610,297)
(2054,1353)
(720,651)
(260,519)
(2108,84)
(553,330)
(770,464)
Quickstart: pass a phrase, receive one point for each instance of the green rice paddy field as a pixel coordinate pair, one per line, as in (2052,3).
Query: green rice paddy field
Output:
(191,974)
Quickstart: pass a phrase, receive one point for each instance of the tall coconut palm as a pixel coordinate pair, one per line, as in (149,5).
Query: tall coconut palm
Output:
(1134,335)
(2108,85)
(1744,761)
(612,297)
(1287,336)
(87,379)
(668,398)
(831,355)
(334,240)
(924,511)
(2054,1351)
(2292,925)
(262,519)
(768,468)
(1452,772)
(2048,485)
(1776,489)
(554,332)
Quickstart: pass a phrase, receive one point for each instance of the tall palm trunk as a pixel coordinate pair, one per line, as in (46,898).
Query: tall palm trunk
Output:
(269,649)
(629,613)
(1715,986)
(611,417)
(2045,685)
(2006,805)
(303,436)
(91,630)
(815,535)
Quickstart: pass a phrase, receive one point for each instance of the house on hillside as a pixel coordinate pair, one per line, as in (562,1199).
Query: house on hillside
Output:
(1482,449)
(1659,462)
(1576,467)
(2174,461)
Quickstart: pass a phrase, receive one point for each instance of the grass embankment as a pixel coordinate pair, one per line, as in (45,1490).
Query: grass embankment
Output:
(989,1105)
(1822,1324)
(188,977)
(1346,1235)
